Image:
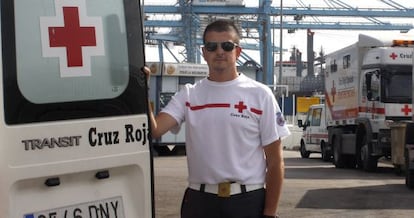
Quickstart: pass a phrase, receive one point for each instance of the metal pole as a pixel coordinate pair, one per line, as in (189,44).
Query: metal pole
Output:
(294,108)
(273,54)
(279,79)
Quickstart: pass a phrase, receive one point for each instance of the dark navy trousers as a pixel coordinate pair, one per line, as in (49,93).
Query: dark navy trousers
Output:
(197,204)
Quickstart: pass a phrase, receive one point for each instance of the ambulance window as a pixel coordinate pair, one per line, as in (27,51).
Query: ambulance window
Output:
(48,77)
(333,66)
(395,86)
(346,61)
(375,86)
(85,62)
(165,97)
(182,80)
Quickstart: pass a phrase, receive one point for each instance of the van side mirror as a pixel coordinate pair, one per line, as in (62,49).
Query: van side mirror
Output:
(303,125)
(368,78)
(300,124)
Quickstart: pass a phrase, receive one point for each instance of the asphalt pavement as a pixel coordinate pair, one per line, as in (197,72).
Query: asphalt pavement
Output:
(312,188)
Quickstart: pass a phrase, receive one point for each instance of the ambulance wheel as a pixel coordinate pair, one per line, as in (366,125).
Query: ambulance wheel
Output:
(326,155)
(409,140)
(409,173)
(303,152)
(409,179)
(338,157)
(369,162)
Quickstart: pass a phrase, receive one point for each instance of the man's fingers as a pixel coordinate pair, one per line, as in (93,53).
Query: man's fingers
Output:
(146,70)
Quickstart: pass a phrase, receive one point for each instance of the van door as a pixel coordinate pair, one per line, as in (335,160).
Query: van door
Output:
(314,132)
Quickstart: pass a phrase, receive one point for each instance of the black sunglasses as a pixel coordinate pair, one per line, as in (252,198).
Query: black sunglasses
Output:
(226,46)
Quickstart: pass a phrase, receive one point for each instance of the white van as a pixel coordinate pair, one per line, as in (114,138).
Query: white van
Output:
(315,135)
(74,136)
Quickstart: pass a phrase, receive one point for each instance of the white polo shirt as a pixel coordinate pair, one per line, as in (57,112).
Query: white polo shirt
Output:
(227,123)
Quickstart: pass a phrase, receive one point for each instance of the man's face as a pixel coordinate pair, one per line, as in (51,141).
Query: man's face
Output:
(220,51)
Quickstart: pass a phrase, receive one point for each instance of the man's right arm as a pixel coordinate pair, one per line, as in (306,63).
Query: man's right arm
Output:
(161,123)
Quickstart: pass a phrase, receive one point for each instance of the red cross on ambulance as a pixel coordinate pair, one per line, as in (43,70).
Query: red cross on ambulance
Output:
(393,56)
(406,110)
(73,37)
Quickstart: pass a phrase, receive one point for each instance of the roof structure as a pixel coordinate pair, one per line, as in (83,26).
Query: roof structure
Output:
(182,22)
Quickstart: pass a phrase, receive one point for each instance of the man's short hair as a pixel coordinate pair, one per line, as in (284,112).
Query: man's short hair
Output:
(222,26)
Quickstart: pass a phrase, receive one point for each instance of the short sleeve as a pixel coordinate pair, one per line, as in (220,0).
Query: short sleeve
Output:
(176,106)
(272,123)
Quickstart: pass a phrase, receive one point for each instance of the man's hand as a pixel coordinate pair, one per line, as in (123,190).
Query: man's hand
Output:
(146,70)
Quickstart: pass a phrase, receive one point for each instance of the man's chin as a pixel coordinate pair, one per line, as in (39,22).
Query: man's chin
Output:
(219,69)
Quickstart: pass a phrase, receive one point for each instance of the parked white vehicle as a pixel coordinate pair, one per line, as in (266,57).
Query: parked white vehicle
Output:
(315,135)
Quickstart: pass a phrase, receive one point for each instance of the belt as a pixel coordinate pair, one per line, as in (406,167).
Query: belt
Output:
(225,189)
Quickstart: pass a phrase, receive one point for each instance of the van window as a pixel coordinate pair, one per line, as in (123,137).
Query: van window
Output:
(315,118)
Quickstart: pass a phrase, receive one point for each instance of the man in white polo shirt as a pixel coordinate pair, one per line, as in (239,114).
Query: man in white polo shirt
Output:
(233,135)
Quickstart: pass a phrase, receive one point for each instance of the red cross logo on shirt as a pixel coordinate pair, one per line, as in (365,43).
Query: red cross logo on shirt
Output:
(393,56)
(73,37)
(240,106)
(406,110)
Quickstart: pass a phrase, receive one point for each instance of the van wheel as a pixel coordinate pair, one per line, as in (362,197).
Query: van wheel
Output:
(369,162)
(303,152)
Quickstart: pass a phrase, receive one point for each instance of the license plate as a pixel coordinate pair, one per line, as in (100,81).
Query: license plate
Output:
(106,208)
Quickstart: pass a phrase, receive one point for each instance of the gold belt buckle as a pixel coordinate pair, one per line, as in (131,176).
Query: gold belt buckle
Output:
(224,189)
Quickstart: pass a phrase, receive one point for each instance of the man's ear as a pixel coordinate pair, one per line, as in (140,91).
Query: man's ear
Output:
(203,51)
(238,50)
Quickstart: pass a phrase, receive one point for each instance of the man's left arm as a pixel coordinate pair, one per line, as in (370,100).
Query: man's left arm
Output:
(274,176)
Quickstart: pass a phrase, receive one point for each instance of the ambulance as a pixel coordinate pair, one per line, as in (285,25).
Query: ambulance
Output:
(367,90)
(74,136)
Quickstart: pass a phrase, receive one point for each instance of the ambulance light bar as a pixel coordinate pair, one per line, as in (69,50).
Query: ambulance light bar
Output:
(402,43)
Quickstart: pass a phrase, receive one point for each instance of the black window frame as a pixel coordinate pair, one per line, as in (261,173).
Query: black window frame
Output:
(18,110)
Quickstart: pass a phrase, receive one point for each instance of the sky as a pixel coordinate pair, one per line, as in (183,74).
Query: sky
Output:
(328,40)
